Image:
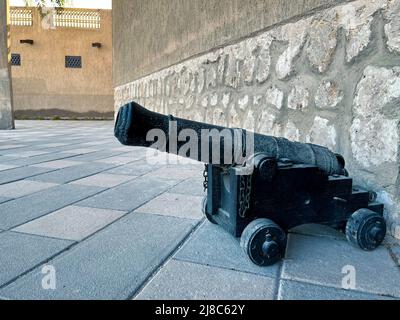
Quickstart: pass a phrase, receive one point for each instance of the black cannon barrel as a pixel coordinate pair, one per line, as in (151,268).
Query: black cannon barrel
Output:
(134,123)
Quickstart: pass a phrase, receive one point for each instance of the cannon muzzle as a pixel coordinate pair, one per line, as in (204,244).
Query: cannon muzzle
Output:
(137,126)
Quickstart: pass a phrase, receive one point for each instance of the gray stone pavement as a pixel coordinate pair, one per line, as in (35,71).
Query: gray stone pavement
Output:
(114,225)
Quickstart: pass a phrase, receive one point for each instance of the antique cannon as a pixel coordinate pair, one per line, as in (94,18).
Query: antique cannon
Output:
(259,187)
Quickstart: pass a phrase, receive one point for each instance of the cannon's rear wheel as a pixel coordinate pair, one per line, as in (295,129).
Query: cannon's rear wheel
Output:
(264,242)
(366,229)
(204,209)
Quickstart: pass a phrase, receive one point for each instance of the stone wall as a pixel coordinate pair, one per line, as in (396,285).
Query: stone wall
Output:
(332,78)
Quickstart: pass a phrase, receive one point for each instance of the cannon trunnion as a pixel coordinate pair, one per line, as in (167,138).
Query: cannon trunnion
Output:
(281,185)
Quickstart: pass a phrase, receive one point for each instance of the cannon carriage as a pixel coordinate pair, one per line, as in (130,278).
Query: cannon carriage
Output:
(277,186)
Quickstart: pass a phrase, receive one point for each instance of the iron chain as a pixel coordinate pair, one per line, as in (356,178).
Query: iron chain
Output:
(245,194)
(205,175)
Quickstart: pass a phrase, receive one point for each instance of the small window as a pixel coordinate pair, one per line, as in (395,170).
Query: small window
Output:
(74,62)
(15,59)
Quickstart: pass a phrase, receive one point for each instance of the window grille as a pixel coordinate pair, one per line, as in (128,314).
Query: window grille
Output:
(74,62)
(15,59)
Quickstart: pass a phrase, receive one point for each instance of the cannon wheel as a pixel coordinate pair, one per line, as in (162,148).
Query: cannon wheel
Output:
(264,242)
(204,209)
(366,229)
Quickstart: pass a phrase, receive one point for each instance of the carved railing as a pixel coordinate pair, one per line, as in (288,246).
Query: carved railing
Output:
(82,19)
(21,17)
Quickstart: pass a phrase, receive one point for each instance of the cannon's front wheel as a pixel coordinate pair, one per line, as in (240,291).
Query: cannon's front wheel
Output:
(204,209)
(366,229)
(264,242)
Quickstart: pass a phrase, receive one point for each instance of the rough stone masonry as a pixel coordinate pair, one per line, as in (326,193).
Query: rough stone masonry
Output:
(332,78)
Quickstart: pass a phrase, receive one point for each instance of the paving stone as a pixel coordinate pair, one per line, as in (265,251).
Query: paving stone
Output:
(119,160)
(192,186)
(110,265)
(21,173)
(94,156)
(135,169)
(180,280)
(322,260)
(175,205)
(3,199)
(4,167)
(11,146)
(81,150)
(103,180)
(4,159)
(22,210)
(211,245)
(73,173)
(39,159)
(20,253)
(129,196)
(27,154)
(52,145)
(22,188)
(291,290)
(177,172)
(71,223)
(58,164)
(319,230)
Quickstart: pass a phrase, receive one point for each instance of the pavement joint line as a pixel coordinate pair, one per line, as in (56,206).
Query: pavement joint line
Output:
(337,288)
(224,268)
(68,205)
(27,178)
(39,236)
(394,257)
(74,244)
(280,270)
(327,285)
(317,235)
(45,261)
(163,263)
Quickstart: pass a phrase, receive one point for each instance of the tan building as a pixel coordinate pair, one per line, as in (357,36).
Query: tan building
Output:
(62,63)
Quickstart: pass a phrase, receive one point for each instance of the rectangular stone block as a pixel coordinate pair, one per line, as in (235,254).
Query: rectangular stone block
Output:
(326,262)
(71,223)
(112,264)
(192,186)
(3,199)
(292,290)
(21,173)
(98,155)
(73,173)
(137,168)
(175,205)
(20,253)
(129,196)
(119,160)
(22,188)
(103,180)
(177,172)
(35,160)
(4,167)
(19,211)
(180,280)
(58,164)
(211,245)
